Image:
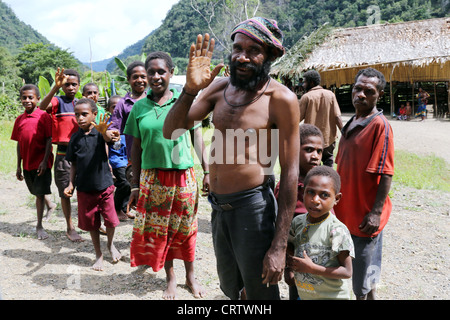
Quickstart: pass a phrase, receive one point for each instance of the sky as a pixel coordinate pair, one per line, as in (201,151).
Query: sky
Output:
(107,26)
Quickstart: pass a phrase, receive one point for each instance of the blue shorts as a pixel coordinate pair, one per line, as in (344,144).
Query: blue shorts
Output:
(243,227)
(367,263)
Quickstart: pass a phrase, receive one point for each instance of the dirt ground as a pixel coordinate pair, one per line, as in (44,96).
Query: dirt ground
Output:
(415,257)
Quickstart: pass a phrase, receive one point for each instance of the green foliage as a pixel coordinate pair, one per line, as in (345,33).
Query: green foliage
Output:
(10,81)
(39,59)
(10,108)
(296,18)
(8,159)
(14,34)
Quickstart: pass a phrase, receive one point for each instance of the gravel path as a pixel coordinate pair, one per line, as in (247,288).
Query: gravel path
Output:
(416,244)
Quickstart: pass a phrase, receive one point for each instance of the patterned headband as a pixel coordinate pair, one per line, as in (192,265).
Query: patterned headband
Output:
(262,30)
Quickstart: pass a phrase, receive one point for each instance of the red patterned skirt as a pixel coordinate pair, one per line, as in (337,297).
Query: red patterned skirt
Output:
(165,227)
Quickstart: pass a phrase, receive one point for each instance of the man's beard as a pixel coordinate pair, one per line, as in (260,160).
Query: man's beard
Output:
(260,73)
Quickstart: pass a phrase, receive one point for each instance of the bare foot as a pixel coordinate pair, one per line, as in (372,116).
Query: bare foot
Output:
(98,265)
(41,234)
(196,288)
(115,254)
(171,292)
(74,236)
(50,211)
(122,216)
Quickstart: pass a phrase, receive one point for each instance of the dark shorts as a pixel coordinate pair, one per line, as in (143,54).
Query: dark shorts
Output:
(92,205)
(38,185)
(367,263)
(243,227)
(62,174)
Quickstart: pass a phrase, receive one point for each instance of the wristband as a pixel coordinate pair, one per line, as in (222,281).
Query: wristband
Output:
(189,94)
(134,189)
(205,172)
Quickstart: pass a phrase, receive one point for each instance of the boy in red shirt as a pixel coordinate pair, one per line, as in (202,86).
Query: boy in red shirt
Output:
(33,133)
(64,124)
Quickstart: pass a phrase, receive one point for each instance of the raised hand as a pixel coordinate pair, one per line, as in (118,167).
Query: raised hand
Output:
(103,124)
(60,78)
(199,74)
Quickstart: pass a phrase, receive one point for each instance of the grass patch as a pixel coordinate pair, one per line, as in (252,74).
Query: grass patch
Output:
(8,154)
(421,172)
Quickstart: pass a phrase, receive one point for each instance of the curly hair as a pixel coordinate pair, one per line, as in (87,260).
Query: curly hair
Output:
(133,65)
(372,73)
(312,76)
(160,55)
(307,130)
(325,171)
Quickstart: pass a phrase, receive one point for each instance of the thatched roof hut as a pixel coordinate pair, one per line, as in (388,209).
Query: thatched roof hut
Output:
(415,51)
(404,52)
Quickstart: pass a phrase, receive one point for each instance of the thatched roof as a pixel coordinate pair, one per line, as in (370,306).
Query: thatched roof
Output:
(407,52)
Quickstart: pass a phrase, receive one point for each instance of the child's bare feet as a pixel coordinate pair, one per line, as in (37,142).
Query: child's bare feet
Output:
(98,265)
(74,236)
(196,288)
(50,211)
(122,216)
(171,292)
(41,233)
(115,254)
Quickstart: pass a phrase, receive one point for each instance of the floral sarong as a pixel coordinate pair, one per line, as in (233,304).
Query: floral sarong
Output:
(165,227)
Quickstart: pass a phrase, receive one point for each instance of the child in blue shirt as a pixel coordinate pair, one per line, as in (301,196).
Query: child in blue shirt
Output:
(118,160)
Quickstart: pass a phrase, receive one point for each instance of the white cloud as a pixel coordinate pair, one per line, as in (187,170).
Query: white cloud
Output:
(111,25)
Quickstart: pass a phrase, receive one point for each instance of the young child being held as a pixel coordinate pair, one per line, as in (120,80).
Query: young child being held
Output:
(91,175)
(322,246)
(33,133)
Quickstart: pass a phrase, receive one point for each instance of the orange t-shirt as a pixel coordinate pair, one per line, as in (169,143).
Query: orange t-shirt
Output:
(364,153)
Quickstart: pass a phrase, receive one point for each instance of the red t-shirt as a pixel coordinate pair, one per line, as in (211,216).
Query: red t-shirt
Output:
(364,153)
(31,131)
(64,122)
(300,207)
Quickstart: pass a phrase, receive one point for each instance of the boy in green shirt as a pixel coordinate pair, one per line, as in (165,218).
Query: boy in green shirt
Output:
(323,247)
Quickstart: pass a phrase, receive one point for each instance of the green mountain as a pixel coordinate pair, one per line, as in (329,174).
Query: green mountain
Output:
(296,18)
(14,33)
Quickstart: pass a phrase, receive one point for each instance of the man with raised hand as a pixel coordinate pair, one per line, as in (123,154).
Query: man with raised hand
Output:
(249,228)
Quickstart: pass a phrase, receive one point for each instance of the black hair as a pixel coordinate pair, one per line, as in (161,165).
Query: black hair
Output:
(90,84)
(90,102)
(373,73)
(160,55)
(133,65)
(325,171)
(312,76)
(72,72)
(307,130)
(30,87)
(111,98)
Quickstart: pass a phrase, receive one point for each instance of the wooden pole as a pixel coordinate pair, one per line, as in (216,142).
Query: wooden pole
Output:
(435,100)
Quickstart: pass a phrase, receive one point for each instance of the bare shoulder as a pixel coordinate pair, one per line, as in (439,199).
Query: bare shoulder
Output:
(282,94)
(283,102)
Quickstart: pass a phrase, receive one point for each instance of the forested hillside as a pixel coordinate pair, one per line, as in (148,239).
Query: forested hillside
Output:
(14,33)
(296,18)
